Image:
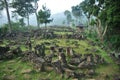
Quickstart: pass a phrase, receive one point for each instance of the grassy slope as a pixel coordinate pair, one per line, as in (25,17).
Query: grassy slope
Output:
(15,66)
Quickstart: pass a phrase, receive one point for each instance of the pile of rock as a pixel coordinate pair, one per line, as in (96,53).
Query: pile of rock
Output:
(79,36)
(87,60)
(63,63)
(33,58)
(7,53)
(3,51)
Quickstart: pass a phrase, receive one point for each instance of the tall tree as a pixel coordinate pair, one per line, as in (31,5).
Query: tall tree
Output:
(44,16)
(5,4)
(67,13)
(94,8)
(77,13)
(24,8)
(36,7)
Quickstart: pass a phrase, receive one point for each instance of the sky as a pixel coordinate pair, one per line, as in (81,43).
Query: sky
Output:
(57,6)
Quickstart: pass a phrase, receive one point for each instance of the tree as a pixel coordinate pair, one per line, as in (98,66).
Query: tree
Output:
(4,4)
(106,15)
(77,12)
(67,13)
(44,16)
(36,7)
(24,8)
(21,21)
(95,9)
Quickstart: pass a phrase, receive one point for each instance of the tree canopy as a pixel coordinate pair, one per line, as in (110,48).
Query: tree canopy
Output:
(67,13)
(106,15)
(44,15)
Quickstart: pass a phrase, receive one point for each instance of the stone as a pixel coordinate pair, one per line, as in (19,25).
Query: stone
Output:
(89,59)
(91,72)
(113,54)
(26,71)
(62,58)
(116,77)
(9,55)
(119,56)
(9,77)
(4,49)
(40,66)
(58,67)
(17,51)
(48,68)
(53,49)
(79,75)
(82,65)
(1,41)
(48,59)
(97,58)
(73,74)
(69,73)
(40,50)
(69,52)
(60,49)
(27,77)
(74,61)
(28,43)
(85,64)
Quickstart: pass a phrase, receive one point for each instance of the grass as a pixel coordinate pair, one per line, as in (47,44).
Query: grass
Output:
(63,33)
(15,66)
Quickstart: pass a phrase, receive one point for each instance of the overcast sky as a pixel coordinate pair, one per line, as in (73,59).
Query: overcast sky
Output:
(57,6)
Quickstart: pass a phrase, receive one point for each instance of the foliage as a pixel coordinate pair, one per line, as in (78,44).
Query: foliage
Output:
(21,21)
(23,7)
(106,18)
(44,15)
(16,26)
(2,5)
(3,29)
(5,4)
(67,13)
(77,12)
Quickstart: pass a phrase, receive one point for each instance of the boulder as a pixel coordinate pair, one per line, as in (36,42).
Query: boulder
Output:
(69,52)
(74,61)
(91,72)
(58,67)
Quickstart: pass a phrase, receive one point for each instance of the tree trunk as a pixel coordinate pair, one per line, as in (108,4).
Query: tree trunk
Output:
(105,30)
(37,20)
(28,20)
(101,32)
(8,16)
(45,25)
